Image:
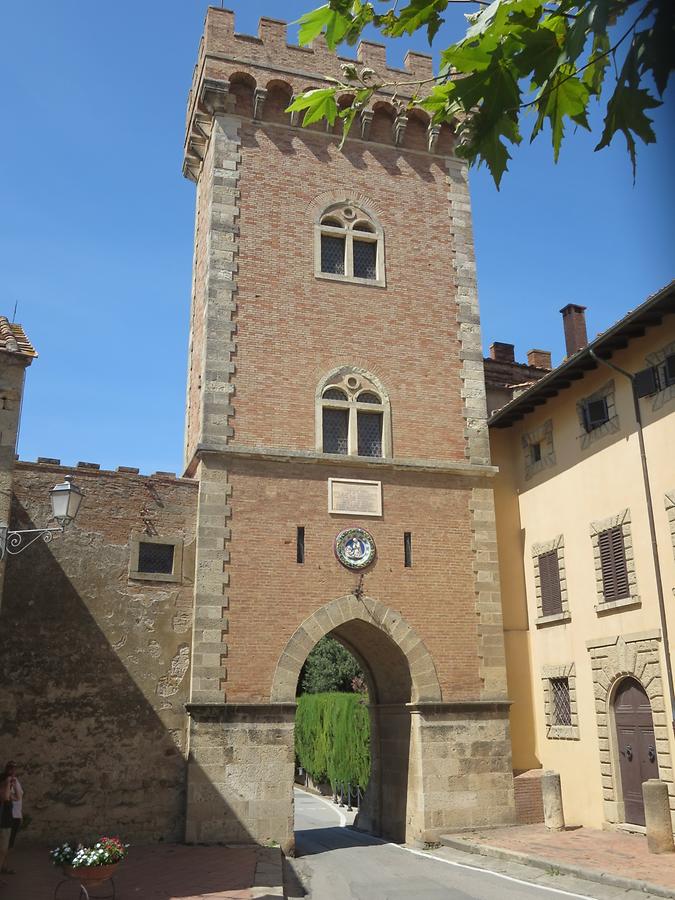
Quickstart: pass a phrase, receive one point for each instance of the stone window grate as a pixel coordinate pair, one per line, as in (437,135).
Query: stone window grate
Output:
(560,697)
(332,254)
(155,558)
(335,429)
(365,259)
(369,434)
(560,702)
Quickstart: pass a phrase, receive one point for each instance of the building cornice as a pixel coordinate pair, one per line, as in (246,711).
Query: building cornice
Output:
(312,457)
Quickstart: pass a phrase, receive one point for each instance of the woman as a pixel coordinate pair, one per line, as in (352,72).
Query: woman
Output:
(6,819)
(16,796)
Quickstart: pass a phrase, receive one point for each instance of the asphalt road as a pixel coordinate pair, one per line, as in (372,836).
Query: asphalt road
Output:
(335,862)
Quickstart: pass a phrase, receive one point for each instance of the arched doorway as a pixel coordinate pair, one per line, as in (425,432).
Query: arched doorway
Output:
(399,670)
(636,746)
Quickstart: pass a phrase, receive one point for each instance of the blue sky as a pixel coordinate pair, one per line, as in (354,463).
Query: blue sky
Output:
(96,223)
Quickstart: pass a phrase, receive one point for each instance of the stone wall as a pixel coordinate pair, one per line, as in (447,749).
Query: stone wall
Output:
(95,666)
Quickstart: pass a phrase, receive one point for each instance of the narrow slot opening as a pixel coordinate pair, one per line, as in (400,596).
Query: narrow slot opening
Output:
(407,549)
(300,545)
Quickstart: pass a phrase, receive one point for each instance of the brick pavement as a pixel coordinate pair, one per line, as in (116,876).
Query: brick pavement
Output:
(158,872)
(613,852)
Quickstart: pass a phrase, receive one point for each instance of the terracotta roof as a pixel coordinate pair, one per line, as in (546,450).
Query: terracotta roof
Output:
(617,337)
(13,339)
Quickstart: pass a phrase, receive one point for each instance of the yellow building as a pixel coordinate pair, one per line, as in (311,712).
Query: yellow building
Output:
(585,506)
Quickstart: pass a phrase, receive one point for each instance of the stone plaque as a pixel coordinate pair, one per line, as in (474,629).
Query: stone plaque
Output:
(350,497)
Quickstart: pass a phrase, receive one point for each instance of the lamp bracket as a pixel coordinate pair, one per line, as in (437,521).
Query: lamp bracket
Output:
(15,542)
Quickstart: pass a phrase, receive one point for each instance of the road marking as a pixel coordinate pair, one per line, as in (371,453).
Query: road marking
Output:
(450,862)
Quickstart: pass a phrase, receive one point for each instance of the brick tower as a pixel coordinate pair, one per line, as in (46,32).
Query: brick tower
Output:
(335,384)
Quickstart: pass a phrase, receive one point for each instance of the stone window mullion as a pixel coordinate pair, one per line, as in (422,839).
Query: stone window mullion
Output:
(353,435)
(349,255)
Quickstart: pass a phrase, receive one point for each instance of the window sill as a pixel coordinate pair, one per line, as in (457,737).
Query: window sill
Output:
(624,603)
(555,619)
(155,576)
(563,732)
(368,282)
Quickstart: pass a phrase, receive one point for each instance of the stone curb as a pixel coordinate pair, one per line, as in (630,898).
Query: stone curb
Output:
(268,880)
(539,862)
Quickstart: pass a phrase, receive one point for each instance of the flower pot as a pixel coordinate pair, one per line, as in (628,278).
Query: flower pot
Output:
(90,876)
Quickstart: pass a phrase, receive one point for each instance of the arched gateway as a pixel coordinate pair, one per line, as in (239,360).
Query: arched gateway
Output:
(399,671)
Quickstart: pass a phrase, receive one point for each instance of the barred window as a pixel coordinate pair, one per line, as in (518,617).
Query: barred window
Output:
(332,254)
(365,259)
(561,710)
(157,558)
(353,417)
(349,246)
(369,433)
(335,430)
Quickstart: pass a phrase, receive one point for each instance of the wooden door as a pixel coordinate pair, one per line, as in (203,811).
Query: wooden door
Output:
(637,747)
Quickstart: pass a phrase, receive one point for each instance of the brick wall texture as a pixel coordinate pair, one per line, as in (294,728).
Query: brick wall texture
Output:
(528,797)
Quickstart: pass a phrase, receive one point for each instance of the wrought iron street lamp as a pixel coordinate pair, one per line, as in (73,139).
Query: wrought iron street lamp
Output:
(66,499)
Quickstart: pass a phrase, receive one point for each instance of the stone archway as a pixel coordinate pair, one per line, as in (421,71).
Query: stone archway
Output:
(424,681)
(400,672)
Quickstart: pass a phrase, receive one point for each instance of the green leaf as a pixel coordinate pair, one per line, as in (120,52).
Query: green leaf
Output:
(490,100)
(626,112)
(539,54)
(466,57)
(563,95)
(594,74)
(417,14)
(656,44)
(334,23)
(347,115)
(494,14)
(319,104)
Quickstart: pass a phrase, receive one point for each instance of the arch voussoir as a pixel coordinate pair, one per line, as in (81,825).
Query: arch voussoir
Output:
(424,680)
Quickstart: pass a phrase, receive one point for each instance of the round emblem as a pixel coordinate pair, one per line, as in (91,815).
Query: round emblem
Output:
(355,548)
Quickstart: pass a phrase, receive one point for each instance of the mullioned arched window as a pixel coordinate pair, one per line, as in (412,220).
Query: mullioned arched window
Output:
(349,246)
(353,416)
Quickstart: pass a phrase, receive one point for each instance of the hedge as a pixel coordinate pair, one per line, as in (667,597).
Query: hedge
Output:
(332,738)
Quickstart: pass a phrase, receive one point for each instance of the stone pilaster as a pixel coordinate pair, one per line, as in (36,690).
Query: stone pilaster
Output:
(240,774)
(221,169)
(460,768)
(209,636)
(491,653)
(215,305)
(468,318)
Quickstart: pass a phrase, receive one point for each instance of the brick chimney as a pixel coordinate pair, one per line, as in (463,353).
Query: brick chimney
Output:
(539,358)
(574,323)
(502,352)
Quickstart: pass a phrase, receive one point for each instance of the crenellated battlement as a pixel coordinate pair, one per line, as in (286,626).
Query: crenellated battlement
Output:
(49,463)
(265,68)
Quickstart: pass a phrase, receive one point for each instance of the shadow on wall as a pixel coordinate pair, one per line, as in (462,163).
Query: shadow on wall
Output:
(100,749)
